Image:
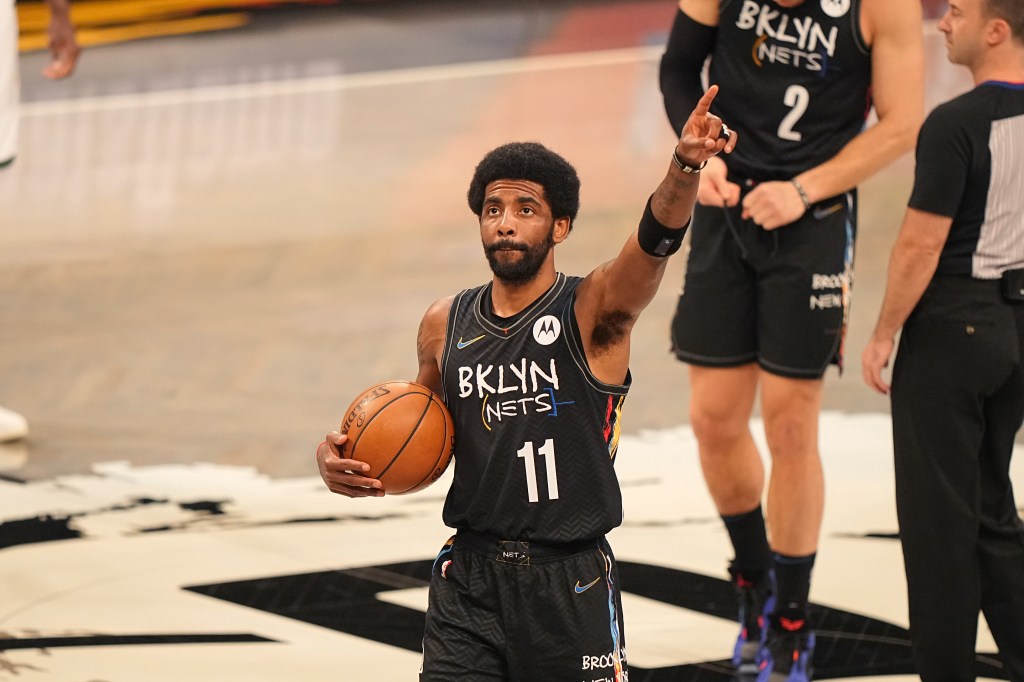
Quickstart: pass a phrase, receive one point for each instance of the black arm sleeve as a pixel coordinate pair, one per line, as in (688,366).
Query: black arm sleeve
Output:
(689,45)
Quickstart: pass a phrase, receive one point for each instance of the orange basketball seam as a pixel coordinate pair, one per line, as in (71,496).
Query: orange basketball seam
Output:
(365,426)
(362,429)
(418,434)
(445,448)
(412,431)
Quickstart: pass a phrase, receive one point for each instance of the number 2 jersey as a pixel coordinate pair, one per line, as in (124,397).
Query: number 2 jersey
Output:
(535,432)
(794,82)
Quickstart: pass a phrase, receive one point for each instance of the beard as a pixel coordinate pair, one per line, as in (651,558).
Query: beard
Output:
(518,269)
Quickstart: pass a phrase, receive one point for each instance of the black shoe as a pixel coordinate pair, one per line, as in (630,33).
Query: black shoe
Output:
(756,601)
(787,653)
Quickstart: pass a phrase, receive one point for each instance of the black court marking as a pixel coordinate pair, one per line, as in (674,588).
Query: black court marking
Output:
(848,644)
(37,529)
(51,528)
(331,599)
(127,640)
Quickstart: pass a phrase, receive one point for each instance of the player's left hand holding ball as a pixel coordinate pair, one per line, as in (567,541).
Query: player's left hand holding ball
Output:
(344,476)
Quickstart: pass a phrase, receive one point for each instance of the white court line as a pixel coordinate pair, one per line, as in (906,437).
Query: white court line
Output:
(499,67)
(429,74)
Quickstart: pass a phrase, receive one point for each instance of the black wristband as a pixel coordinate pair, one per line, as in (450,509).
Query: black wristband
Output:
(656,239)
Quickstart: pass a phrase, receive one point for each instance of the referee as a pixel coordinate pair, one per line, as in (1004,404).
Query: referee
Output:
(956,287)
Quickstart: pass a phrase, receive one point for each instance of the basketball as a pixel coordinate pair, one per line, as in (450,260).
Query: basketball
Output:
(403,431)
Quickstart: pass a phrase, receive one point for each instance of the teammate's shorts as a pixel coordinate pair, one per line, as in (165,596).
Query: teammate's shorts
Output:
(779,298)
(9,82)
(521,611)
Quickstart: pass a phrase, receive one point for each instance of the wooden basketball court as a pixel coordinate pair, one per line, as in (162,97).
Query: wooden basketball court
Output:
(211,243)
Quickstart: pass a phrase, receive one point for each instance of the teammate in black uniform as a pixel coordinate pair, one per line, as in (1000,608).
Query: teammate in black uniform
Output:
(534,367)
(956,287)
(770,268)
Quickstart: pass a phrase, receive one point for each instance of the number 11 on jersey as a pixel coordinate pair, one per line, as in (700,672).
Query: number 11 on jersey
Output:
(547,451)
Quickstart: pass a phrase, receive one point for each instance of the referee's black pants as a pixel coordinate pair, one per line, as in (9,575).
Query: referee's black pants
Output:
(957,404)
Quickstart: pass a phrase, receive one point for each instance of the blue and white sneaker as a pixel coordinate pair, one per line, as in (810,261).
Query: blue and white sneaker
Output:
(756,601)
(788,652)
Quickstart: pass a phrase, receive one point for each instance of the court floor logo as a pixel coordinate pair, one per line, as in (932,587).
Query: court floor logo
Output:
(350,601)
(246,565)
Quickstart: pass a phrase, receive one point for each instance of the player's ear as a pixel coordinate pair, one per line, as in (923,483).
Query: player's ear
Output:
(562,227)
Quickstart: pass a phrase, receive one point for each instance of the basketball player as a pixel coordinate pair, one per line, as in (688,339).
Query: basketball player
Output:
(956,287)
(534,367)
(766,294)
(65,54)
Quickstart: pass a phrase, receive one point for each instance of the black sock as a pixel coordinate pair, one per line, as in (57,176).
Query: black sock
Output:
(793,585)
(750,543)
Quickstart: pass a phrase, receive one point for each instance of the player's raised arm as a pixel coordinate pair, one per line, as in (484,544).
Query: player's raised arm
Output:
(704,136)
(613,295)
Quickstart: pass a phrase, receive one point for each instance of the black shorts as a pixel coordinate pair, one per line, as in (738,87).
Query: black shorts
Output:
(523,613)
(780,298)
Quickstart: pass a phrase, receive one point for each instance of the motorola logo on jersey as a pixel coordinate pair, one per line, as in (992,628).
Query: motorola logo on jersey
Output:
(546,330)
(835,8)
(781,39)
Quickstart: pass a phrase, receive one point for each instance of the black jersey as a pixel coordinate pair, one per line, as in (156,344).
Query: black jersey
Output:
(795,83)
(970,167)
(535,432)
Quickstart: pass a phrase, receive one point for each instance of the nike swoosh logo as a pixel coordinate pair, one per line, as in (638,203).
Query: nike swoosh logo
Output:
(462,344)
(580,589)
(824,212)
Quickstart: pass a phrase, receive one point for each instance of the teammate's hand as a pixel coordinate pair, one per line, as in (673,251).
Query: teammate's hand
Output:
(875,358)
(702,135)
(715,188)
(773,204)
(344,476)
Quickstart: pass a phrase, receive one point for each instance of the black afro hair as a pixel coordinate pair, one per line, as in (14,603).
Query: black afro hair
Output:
(534,162)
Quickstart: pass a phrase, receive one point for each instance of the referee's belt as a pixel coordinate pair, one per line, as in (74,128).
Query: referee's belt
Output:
(521,552)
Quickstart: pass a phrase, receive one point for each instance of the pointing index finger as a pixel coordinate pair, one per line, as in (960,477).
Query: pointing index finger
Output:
(704,105)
